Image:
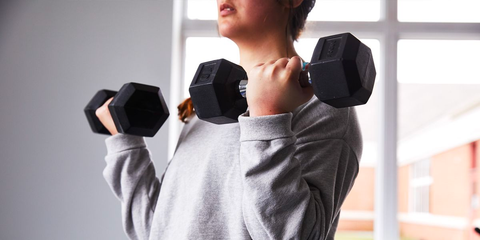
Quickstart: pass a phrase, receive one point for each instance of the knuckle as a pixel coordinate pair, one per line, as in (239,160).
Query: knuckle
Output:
(271,75)
(282,61)
(100,112)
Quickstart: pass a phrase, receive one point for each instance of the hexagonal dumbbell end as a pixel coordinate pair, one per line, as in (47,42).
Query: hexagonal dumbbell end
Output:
(97,101)
(342,71)
(139,109)
(214,91)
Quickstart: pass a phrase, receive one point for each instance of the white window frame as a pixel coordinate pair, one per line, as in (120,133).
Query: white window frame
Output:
(420,177)
(388,30)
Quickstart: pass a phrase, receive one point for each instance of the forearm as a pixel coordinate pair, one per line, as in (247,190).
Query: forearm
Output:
(131,175)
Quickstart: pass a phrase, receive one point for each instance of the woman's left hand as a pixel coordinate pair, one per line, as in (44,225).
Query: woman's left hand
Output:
(277,87)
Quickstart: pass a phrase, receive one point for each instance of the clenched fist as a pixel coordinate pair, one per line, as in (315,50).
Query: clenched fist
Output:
(277,87)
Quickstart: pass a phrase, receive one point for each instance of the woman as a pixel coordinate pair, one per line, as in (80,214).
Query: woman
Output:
(282,172)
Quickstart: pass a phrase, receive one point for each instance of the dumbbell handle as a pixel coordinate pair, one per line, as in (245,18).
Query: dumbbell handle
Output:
(242,85)
(242,88)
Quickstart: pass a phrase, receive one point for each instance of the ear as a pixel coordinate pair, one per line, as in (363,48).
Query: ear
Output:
(295,3)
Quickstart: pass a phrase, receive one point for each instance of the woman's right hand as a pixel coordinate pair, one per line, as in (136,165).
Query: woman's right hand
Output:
(277,87)
(103,114)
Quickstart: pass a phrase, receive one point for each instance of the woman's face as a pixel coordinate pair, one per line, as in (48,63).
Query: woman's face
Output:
(247,18)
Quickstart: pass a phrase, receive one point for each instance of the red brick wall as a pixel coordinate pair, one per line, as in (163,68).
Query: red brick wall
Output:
(355,225)
(476,153)
(450,195)
(361,196)
(477,175)
(450,191)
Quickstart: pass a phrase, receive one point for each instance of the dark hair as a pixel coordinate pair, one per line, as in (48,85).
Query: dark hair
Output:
(298,17)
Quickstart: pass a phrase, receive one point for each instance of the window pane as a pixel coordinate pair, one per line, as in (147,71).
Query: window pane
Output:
(420,186)
(202,9)
(438,114)
(201,49)
(438,61)
(324,10)
(439,10)
(345,10)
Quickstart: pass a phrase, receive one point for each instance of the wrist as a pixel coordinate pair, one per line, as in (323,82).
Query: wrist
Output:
(264,112)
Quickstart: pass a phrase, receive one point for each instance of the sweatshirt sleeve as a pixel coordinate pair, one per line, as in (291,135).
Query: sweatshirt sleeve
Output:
(131,175)
(294,184)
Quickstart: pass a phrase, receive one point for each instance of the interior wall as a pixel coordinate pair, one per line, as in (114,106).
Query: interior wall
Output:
(54,56)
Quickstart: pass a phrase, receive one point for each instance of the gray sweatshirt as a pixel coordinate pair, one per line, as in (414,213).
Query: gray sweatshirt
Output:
(274,177)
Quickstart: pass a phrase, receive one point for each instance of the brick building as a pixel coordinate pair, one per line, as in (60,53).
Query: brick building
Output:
(438,182)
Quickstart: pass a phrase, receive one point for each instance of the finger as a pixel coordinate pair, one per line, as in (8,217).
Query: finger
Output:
(108,101)
(271,62)
(102,110)
(259,64)
(282,62)
(295,66)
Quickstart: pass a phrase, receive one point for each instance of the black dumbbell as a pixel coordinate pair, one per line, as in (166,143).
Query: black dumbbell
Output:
(342,74)
(137,109)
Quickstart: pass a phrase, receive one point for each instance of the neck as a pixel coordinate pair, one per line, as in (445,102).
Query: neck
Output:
(265,49)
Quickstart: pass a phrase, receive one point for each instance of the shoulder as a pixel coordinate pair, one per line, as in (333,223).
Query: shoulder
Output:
(317,121)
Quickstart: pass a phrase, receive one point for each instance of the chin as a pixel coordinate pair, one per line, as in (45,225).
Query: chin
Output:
(225,31)
(231,31)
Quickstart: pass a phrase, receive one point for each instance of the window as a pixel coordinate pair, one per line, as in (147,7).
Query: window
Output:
(426,55)
(202,9)
(357,10)
(420,181)
(438,61)
(438,11)
(206,49)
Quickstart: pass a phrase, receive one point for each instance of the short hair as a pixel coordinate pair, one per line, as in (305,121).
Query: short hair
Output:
(298,17)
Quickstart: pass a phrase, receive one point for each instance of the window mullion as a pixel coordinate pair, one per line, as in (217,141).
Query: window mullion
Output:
(363,29)
(436,31)
(176,74)
(386,202)
(200,28)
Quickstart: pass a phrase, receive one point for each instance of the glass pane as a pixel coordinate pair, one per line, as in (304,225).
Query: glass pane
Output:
(345,10)
(438,61)
(438,134)
(324,10)
(439,10)
(202,9)
(201,49)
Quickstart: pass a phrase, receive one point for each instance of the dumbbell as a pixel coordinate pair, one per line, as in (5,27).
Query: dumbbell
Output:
(341,70)
(137,109)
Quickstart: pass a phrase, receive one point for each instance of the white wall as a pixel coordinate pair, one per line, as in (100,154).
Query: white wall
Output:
(54,55)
